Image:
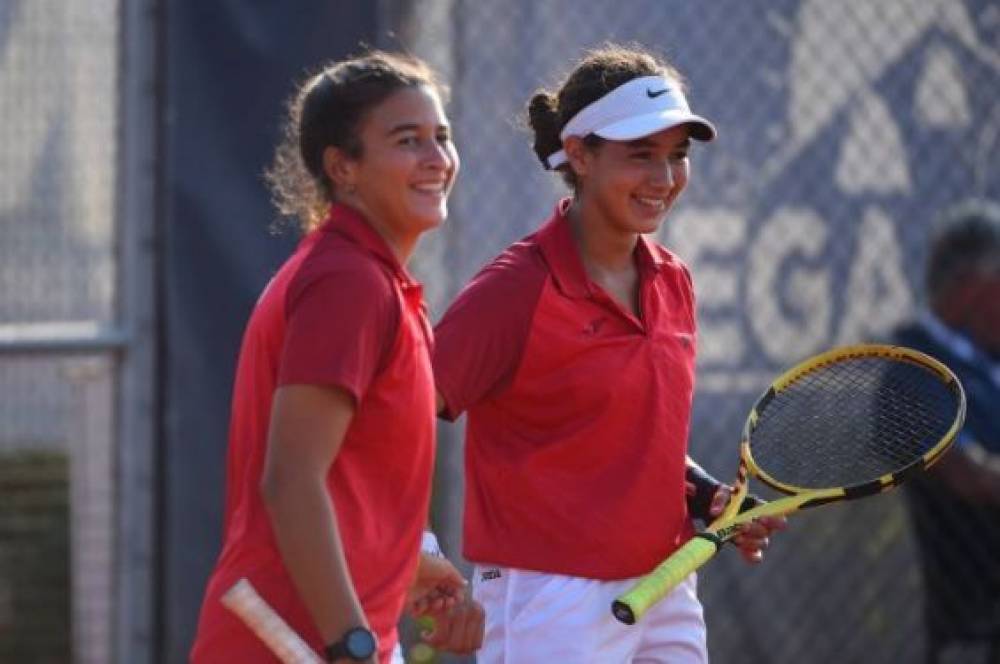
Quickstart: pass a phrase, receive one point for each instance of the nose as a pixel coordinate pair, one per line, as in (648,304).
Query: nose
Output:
(438,156)
(663,174)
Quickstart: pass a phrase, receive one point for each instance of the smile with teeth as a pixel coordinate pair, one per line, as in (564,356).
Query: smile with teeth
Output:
(430,187)
(651,203)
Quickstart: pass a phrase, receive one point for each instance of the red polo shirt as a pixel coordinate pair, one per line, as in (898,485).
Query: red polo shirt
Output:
(578,411)
(340,312)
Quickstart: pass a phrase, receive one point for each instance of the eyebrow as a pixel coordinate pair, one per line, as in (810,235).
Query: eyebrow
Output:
(646,143)
(413,126)
(399,129)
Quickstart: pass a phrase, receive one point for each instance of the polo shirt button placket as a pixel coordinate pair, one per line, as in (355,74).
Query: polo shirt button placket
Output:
(413,295)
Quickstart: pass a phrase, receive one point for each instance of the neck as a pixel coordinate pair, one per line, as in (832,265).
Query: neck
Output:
(602,247)
(401,245)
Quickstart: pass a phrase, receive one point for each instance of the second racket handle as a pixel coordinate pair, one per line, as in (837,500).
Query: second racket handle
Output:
(653,587)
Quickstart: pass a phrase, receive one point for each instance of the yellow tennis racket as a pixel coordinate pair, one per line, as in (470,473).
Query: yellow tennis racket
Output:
(845,424)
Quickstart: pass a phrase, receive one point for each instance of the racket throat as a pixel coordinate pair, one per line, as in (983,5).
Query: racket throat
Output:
(715,538)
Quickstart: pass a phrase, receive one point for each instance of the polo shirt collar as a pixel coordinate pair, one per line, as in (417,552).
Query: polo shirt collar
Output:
(555,239)
(352,225)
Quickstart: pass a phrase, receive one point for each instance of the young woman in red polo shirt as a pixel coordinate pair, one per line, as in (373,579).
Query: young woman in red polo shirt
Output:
(331,442)
(573,354)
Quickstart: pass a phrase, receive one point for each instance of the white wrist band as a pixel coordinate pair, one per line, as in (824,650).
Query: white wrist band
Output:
(429,544)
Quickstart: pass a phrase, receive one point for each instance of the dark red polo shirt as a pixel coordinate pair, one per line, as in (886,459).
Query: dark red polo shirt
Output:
(578,411)
(340,312)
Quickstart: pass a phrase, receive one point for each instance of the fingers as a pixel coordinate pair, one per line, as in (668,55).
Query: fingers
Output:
(438,586)
(754,530)
(439,635)
(754,537)
(439,572)
(434,600)
(472,636)
(720,500)
(754,556)
(459,630)
(751,547)
(443,603)
(773,523)
(452,578)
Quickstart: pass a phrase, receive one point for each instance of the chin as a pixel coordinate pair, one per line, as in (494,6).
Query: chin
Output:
(652,227)
(429,220)
(647,225)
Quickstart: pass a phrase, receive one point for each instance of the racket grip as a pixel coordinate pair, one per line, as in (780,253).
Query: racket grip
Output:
(653,587)
(243,600)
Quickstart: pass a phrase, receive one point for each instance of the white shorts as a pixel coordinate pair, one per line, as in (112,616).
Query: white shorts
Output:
(539,618)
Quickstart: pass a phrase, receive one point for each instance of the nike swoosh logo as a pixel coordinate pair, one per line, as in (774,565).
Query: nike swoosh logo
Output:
(654,95)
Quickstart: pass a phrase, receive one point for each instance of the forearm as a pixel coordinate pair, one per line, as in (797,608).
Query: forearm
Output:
(305,526)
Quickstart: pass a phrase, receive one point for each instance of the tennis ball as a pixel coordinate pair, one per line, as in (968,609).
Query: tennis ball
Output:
(421,654)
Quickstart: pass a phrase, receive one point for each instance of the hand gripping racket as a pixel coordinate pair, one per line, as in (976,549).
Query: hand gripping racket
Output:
(243,600)
(845,424)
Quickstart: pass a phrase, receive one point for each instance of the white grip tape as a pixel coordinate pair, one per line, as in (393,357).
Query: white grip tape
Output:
(243,600)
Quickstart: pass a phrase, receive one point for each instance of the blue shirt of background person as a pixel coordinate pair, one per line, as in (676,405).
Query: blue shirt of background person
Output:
(955,508)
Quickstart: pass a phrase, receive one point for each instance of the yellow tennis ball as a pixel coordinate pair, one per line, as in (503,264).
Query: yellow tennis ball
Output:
(421,654)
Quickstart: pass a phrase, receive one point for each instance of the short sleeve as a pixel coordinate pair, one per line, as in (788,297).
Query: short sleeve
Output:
(341,325)
(479,341)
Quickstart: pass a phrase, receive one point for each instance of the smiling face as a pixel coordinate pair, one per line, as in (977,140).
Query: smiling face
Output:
(632,184)
(406,169)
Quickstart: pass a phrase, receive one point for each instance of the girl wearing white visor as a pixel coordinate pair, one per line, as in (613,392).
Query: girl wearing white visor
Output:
(573,354)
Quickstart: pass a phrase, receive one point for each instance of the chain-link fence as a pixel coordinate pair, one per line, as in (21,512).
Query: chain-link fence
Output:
(59,104)
(845,127)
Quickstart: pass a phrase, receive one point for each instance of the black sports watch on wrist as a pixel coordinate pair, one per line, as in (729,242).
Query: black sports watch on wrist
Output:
(357,644)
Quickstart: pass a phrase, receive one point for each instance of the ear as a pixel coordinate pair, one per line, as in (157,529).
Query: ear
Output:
(340,168)
(577,155)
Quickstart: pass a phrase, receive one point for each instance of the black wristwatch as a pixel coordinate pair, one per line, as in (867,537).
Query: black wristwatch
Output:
(357,644)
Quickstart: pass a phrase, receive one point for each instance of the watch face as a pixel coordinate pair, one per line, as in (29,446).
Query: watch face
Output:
(359,643)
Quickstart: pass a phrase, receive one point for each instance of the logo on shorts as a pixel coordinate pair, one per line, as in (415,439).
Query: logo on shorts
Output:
(490,574)
(654,95)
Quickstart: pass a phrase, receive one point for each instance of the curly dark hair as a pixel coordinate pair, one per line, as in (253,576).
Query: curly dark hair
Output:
(326,110)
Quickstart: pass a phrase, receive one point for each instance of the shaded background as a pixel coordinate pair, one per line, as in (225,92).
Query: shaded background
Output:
(135,235)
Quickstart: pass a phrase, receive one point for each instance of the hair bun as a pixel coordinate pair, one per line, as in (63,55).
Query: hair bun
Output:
(543,117)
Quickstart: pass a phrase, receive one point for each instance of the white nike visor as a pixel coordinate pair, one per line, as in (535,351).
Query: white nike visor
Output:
(635,109)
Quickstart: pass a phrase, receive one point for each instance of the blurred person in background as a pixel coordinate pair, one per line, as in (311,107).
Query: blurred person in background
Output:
(332,432)
(573,353)
(956,507)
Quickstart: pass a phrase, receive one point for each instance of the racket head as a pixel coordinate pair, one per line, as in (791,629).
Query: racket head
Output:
(853,421)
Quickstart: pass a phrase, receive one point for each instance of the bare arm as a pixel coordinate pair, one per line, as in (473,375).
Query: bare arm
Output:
(308,424)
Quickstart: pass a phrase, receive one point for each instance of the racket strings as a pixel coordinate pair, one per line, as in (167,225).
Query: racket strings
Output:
(852,421)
